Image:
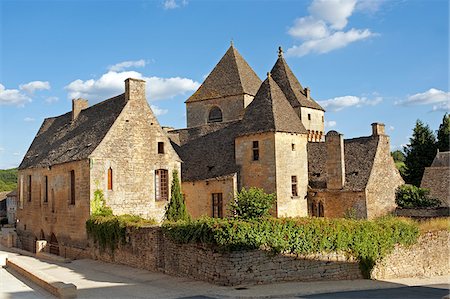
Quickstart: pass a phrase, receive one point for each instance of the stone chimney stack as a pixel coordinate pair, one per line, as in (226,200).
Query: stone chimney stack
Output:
(134,89)
(335,160)
(307,93)
(377,129)
(77,106)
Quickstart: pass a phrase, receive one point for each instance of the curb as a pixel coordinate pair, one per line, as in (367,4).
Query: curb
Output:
(47,282)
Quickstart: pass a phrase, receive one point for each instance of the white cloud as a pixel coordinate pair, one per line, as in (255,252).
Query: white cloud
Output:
(339,103)
(51,100)
(118,67)
(31,87)
(391,128)
(335,12)
(330,124)
(172,4)
(323,30)
(28,119)
(12,97)
(16,154)
(370,6)
(433,96)
(112,83)
(158,111)
(329,43)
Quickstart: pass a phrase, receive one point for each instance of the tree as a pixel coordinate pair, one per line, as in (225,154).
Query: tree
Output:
(408,196)
(398,156)
(176,209)
(443,134)
(419,153)
(253,203)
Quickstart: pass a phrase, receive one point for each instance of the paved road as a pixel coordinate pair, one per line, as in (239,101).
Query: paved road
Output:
(95,279)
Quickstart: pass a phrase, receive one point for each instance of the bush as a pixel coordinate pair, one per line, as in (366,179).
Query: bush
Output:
(366,240)
(98,205)
(409,196)
(176,209)
(109,230)
(253,203)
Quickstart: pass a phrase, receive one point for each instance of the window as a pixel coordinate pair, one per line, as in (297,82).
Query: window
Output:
(21,192)
(255,150)
(321,210)
(161,185)
(294,185)
(323,119)
(293,146)
(46,189)
(29,188)
(110,179)
(160,147)
(72,187)
(215,115)
(217,205)
(309,116)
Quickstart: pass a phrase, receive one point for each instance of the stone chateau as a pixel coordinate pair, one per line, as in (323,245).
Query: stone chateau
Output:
(240,133)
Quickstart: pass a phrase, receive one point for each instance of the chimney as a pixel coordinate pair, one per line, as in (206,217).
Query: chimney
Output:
(335,160)
(134,89)
(77,106)
(307,93)
(377,129)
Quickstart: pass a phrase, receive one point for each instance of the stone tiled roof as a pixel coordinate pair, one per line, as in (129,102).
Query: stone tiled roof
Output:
(442,159)
(12,193)
(270,112)
(231,76)
(359,155)
(291,87)
(60,140)
(209,155)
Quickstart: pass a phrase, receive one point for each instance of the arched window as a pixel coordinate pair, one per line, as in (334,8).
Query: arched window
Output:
(215,115)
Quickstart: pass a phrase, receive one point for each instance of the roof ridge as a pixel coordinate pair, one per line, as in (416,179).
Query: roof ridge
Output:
(234,52)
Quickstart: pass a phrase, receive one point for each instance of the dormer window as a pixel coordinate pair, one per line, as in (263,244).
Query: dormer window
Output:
(215,115)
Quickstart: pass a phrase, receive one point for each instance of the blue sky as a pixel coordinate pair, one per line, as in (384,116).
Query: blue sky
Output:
(364,60)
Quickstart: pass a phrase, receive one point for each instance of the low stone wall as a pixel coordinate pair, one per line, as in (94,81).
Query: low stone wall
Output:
(428,257)
(423,213)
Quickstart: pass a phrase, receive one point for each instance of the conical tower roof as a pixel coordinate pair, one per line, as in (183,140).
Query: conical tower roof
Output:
(289,84)
(231,76)
(270,111)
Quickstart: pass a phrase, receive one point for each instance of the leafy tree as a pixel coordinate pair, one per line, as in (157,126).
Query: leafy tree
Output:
(409,196)
(398,156)
(419,153)
(8,179)
(443,134)
(176,209)
(253,203)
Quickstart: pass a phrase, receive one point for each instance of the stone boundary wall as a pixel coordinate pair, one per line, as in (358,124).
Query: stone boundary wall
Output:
(148,249)
(428,257)
(423,213)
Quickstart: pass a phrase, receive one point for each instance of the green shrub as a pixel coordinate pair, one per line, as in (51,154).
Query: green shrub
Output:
(253,203)
(109,230)
(176,209)
(98,205)
(409,196)
(366,240)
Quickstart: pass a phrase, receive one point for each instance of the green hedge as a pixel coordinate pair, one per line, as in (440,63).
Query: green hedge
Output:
(366,240)
(108,231)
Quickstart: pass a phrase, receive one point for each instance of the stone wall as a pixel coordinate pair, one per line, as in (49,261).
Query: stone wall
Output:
(423,213)
(148,249)
(383,181)
(339,203)
(428,257)
(315,125)
(198,194)
(39,219)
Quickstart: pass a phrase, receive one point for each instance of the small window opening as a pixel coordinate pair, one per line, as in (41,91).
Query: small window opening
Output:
(215,115)
(160,147)
(309,116)
(72,187)
(293,146)
(46,189)
(29,188)
(294,185)
(255,150)
(321,210)
(161,185)
(110,178)
(217,205)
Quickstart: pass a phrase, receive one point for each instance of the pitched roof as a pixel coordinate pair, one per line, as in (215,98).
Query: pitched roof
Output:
(270,112)
(60,140)
(293,90)
(359,156)
(231,76)
(209,155)
(442,159)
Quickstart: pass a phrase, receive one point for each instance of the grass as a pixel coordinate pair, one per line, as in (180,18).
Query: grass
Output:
(433,225)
